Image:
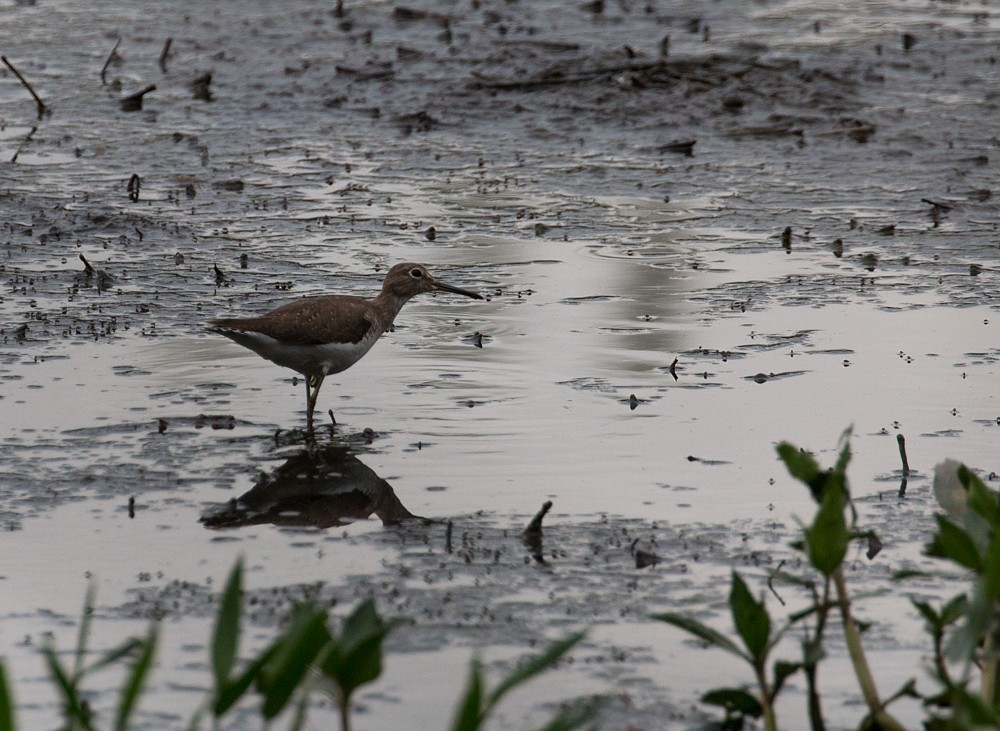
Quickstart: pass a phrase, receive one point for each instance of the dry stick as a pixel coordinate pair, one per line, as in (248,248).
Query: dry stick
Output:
(901,440)
(26,140)
(38,100)
(164,54)
(107,62)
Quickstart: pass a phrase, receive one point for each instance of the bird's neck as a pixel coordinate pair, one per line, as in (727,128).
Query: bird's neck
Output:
(388,305)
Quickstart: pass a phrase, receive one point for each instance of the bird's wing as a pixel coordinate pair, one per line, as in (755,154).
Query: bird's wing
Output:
(310,321)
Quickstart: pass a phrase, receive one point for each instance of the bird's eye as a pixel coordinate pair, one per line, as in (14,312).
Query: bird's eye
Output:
(416,273)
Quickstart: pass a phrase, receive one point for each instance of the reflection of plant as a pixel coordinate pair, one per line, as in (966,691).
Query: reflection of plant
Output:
(305,657)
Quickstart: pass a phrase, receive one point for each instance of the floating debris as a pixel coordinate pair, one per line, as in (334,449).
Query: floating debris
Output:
(133,102)
(644,554)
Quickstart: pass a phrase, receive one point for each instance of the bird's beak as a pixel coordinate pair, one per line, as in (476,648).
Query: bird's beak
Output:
(456,290)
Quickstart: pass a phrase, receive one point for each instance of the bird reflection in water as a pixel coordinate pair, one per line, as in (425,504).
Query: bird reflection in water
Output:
(319,486)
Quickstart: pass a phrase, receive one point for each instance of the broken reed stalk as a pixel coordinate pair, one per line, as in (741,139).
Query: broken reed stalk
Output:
(24,81)
(165,54)
(901,440)
(108,60)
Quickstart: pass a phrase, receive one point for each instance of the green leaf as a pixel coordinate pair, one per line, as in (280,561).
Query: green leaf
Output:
(954,609)
(576,714)
(980,616)
(827,538)
(549,657)
(71,699)
(6,702)
(783,671)
(469,714)
(226,636)
(355,658)
(930,615)
(133,685)
(734,700)
(970,710)
(802,466)
(844,458)
(702,632)
(129,647)
(83,635)
(296,650)
(980,498)
(952,542)
(750,618)
(232,690)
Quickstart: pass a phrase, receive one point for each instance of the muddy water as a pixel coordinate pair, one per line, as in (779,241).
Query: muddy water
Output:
(540,141)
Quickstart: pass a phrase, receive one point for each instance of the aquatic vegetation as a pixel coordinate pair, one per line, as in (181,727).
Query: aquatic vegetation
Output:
(304,658)
(964,632)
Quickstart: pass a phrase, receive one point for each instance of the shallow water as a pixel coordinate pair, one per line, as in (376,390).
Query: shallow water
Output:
(537,149)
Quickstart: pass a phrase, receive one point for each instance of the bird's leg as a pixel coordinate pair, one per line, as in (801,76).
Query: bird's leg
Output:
(309,413)
(313,384)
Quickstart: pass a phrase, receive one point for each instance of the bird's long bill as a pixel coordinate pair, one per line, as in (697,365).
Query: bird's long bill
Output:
(456,290)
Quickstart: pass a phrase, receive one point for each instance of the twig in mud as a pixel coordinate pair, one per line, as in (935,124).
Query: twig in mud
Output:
(532,535)
(447,538)
(88,269)
(165,54)
(770,582)
(901,441)
(644,554)
(133,102)
(111,57)
(685,147)
(535,526)
(26,140)
(556,78)
(200,87)
(874,545)
(673,369)
(134,183)
(24,82)
(935,204)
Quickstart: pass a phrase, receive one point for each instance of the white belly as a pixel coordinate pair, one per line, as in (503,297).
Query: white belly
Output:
(309,360)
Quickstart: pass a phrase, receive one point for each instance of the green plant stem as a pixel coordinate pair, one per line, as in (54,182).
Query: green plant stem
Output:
(811,651)
(344,704)
(766,698)
(988,685)
(864,674)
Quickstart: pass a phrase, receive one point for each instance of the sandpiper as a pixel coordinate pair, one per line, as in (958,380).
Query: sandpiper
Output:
(317,336)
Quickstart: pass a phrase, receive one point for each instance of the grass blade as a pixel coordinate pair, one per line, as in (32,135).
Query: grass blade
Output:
(128,647)
(702,632)
(6,703)
(470,710)
(536,665)
(76,716)
(232,690)
(83,635)
(225,638)
(305,639)
(133,686)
